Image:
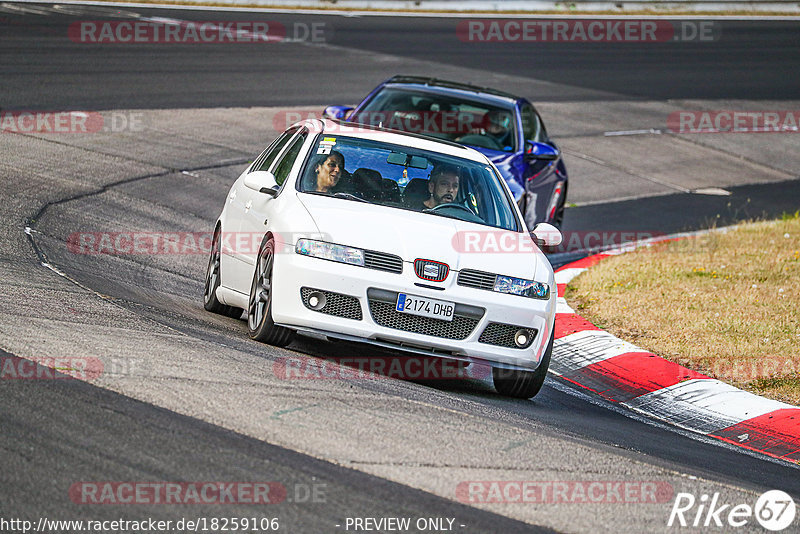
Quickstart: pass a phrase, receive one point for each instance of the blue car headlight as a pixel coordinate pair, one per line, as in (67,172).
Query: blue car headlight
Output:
(522,287)
(330,251)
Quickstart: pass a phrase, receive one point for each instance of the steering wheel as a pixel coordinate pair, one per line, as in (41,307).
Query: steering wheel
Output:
(479,140)
(449,205)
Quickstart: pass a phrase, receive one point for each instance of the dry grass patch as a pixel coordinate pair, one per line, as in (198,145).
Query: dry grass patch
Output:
(726,304)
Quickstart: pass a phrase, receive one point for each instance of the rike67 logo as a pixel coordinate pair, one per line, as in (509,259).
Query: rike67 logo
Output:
(774,510)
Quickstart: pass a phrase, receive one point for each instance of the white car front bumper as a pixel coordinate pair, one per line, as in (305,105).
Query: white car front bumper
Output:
(379,323)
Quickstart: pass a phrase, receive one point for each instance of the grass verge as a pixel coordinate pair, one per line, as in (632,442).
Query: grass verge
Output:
(726,304)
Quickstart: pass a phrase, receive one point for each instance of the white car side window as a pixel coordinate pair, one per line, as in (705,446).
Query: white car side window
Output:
(265,160)
(286,162)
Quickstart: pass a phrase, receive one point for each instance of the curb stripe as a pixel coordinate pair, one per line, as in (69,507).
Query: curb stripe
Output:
(585,263)
(627,376)
(705,405)
(562,308)
(584,348)
(569,323)
(565,275)
(776,433)
(620,372)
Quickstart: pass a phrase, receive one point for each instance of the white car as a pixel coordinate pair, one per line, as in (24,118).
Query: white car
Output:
(389,238)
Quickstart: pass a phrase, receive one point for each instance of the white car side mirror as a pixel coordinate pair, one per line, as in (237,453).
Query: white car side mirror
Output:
(261,181)
(546,235)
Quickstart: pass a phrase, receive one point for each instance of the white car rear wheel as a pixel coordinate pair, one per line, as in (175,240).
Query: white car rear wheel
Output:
(213,277)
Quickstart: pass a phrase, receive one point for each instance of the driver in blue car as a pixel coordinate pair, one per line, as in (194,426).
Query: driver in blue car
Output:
(442,186)
(495,129)
(499,128)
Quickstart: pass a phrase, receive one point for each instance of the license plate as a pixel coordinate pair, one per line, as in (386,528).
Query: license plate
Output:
(436,309)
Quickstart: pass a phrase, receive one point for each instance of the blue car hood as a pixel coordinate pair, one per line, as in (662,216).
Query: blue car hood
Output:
(503,162)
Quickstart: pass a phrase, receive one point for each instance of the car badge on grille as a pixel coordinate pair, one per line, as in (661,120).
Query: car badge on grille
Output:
(430,270)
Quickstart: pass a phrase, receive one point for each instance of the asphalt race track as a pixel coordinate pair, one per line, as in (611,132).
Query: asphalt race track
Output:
(186,396)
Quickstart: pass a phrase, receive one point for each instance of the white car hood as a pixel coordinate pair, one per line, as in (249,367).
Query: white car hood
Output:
(411,235)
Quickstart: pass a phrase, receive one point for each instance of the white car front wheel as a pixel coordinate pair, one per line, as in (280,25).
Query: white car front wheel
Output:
(522,384)
(259,312)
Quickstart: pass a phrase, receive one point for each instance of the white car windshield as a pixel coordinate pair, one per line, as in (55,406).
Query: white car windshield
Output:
(406,178)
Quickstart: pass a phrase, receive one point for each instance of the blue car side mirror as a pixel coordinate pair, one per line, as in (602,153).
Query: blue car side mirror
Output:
(336,112)
(541,151)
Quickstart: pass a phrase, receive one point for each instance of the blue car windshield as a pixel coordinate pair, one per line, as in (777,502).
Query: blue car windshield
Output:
(401,177)
(464,121)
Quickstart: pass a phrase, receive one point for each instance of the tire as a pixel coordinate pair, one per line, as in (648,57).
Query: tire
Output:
(558,218)
(259,312)
(213,277)
(522,384)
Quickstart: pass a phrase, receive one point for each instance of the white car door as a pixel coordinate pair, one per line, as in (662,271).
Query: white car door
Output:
(236,259)
(256,212)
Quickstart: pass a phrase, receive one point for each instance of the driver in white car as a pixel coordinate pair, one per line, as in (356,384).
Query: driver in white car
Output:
(442,186)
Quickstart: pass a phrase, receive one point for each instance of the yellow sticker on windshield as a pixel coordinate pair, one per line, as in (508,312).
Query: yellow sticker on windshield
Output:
(325,145)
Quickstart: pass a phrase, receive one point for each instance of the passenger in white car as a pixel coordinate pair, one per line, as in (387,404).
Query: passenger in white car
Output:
(328,171)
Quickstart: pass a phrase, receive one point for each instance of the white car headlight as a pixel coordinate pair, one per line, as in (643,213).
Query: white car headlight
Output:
(522,287)
(330,251)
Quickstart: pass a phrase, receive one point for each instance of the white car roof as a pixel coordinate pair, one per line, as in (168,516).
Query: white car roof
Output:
(396,137)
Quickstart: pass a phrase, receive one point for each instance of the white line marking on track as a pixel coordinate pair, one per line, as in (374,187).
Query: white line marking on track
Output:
(6,7)
(652,131)
(93,11)
(713,191)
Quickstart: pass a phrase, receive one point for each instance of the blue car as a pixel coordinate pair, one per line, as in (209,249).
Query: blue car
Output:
(504,127)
